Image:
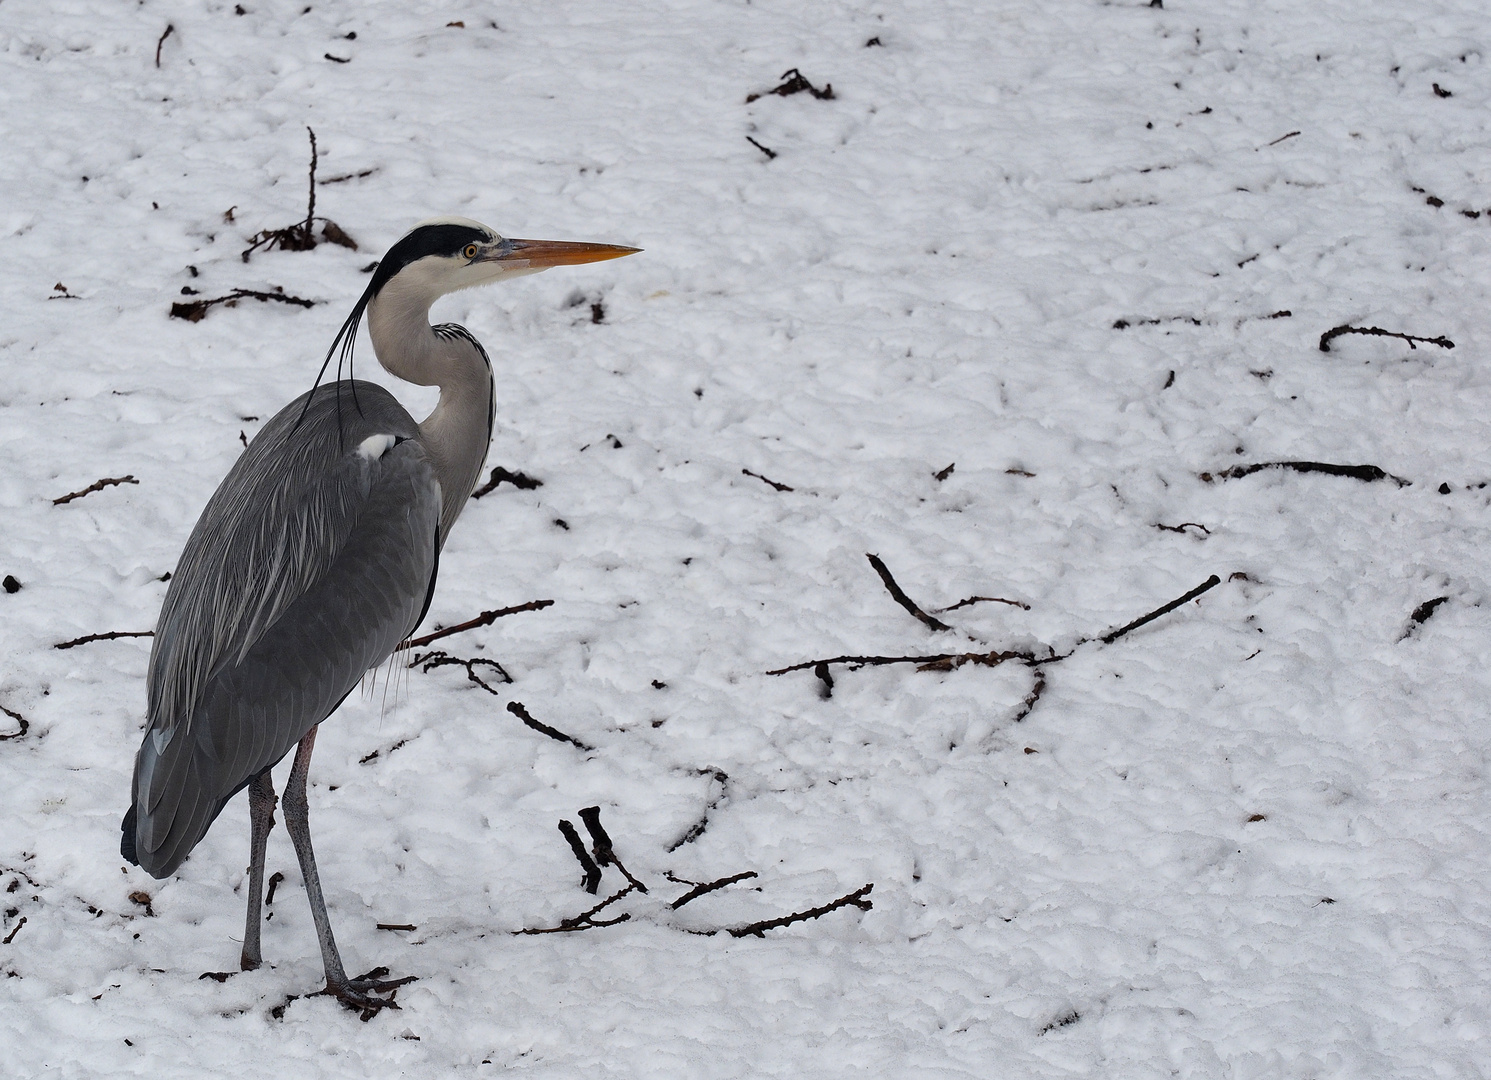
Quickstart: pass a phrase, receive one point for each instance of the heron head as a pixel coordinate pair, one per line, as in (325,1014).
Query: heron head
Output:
(443,255)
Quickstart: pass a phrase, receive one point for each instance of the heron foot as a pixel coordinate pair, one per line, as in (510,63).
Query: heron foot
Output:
(361,994)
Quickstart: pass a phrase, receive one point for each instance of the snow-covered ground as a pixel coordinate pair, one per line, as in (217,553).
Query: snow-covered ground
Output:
(1251,839)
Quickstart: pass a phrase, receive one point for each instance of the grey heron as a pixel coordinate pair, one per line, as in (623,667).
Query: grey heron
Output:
(314,558)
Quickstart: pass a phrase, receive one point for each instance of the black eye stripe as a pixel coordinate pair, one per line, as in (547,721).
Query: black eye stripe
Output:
(448,240)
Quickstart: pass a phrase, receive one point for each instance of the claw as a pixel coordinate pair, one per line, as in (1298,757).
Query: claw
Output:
(359,994)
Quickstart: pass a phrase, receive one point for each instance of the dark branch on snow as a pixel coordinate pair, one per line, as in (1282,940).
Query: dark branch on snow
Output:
(516,708)
(97,485)
(592,872)
(793,82)
(1367,473)
(486,618)
(901,598)
(601,847)
(857,898)
(196,310)
(1376,331)
(709,887)
(110,636)
(301,236)
(773,483)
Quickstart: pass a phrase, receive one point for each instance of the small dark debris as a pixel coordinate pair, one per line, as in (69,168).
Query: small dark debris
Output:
(1327,900)
(659,685)
(369,268)
(1031,750)
(562,524)
(499,475)
(338,59)
(1072,1017)
(1440,91)
(768,151)
(1257,817)
(873,42)
(597,312)
(1444,489)
(1169,381)
(616,443)
(216,976)
(397,926)
(793,82)
(1434,201)
(1423,611)
(11,584)
(767,480)
(943,474)
(142,899)
(1366,473)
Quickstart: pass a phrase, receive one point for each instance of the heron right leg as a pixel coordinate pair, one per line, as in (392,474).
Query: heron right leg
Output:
(355,992)
(261,820)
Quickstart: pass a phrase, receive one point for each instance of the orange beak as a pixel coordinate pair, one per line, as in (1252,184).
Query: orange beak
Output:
(542,254)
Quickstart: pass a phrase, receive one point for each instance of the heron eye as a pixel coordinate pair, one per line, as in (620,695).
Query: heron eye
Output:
(471,250)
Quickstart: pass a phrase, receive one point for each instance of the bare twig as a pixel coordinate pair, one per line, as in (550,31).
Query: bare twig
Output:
(1114,635)
(1367,473)
(516,708)
(709,887)
(1036,690)
(97,485)
(986,600)
(592,872)
(25,726)
(1376,331)
(486,618)
(397,926)
(441,659)
(857,898)
(793,82)
(500,475)
(110,636)
(773,483)
(586,920)
(196,310)
(768,151)
(1183,526)
(14,931)
(901,598)
(273,883)
(604,853)
(170,29)
(697,829)
(1281,138)
(301,236)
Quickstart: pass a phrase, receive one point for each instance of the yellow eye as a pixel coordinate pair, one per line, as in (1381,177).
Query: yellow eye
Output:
(471,250)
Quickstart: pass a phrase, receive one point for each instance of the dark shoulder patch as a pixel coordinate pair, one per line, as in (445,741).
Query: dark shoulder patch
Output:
(425,240)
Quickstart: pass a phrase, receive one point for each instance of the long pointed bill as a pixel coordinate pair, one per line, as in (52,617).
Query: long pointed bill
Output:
(542,254)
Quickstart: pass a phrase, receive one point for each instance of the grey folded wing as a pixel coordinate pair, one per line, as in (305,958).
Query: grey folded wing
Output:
(313,560)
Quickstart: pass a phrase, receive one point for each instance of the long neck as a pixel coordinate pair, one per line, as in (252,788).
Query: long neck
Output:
(456,434)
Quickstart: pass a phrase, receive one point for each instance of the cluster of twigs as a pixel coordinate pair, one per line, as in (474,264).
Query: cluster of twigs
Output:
(301,236)
(794,82)
(950,661)
(196,310)
(602,853)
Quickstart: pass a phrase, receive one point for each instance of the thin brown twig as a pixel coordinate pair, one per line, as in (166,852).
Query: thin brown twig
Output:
(1377,331)
(767,480)
(196,310)
(517,709)
(499,475)
(601,846)
(985,600)
(25,726)
(110,636)
(901,598)
(857,898)
(97,485)
(170,29)
(486,618)
(1114,635)
(709,887)
(1365,473)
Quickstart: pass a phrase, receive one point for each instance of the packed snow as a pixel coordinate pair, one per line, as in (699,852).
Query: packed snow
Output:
(989,311)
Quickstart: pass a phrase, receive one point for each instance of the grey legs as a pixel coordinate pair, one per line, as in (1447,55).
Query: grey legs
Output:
(261,820)
(351,991)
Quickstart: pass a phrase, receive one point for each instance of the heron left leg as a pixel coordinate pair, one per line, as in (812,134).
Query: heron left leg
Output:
(358,993)
(261,820)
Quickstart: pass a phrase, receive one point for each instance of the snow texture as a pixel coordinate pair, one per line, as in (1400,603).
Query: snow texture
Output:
(1083,252)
